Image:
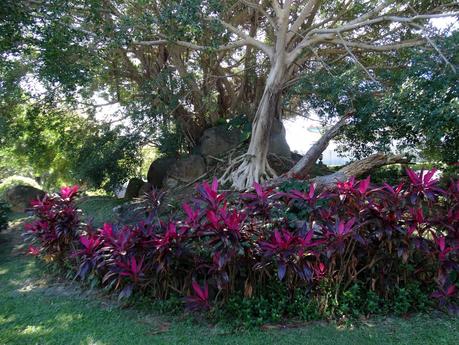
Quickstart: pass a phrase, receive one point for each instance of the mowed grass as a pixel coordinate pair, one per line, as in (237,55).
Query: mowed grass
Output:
(35,309)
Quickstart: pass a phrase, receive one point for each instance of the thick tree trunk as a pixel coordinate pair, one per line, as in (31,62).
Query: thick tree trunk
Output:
(303,167)
(357,168)
(255,167)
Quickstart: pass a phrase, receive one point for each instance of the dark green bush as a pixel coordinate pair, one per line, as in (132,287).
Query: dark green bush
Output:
(391,174)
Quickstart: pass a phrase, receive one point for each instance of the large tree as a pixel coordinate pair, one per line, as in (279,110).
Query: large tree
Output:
(189,62)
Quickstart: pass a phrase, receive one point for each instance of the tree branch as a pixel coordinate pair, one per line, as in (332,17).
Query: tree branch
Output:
(324,35)
(307,11)
(282,23)
(303,167)
(262,11)
(355,58)
(359,24)
(357,168)
(250,40)
(276,7)
(375,47)
(229,46)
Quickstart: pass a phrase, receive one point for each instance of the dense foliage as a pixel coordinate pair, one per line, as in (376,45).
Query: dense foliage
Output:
(60,147)
(267,254)
(171,91)
(411,109)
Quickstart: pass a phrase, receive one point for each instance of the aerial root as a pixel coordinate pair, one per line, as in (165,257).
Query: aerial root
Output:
(243,171)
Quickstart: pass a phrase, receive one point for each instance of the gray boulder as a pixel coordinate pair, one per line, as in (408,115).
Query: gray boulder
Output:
(188,169)
(20,196)
(158,171)
(133,187)
(277,142)
(146,187)
(170,183)
(217,140)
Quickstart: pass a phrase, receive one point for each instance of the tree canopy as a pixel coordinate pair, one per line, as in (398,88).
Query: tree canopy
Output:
(177,67)
(59,147)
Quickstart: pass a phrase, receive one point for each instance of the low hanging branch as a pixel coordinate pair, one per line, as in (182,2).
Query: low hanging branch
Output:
(303,167)
(357,168)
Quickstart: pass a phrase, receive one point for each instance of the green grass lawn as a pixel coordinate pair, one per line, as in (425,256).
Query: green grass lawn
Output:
(100,208)
(36,309)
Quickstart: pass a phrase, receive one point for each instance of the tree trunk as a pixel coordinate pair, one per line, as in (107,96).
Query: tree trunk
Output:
(255,167)
(357,168)
(303,167)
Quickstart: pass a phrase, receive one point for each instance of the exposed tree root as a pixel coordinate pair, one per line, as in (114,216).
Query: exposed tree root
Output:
(245,170)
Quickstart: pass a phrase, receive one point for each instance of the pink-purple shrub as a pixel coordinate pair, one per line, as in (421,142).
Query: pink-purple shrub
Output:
(380,237)
(56,229)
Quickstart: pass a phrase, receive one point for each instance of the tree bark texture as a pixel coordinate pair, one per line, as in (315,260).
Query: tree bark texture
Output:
(356,169)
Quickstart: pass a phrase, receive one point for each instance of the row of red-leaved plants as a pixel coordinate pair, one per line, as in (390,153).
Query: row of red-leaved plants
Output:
(222,244)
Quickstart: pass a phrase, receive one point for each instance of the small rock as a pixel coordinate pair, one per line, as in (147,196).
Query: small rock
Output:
(133,187)
(170,183)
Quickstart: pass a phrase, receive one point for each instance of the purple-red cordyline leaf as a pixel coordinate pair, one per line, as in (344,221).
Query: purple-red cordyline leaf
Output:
(233,220)
(219,260)
(296,194)
(417,214)
(203,294)
(414,178)
(444,249)
(68,192)
(258,189)
(346,186)
(132,268)
(343,228)
(260,196)
(209,194)
(33,250)
(427,177)
(212,219)
(90,243)
(363,185)
(411,230)
(396,191)
(281,270)
(107,231)
(200,299)
(444,293)
(192,214)
(215,185)
(441,242)
(319,270)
